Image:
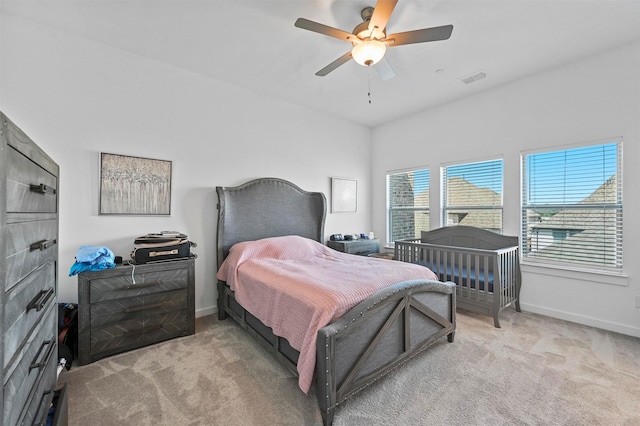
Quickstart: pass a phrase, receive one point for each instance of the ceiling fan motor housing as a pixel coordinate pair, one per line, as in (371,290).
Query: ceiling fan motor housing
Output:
(362,30)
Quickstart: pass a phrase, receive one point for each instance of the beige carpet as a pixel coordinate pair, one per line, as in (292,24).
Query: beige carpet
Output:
(533,371)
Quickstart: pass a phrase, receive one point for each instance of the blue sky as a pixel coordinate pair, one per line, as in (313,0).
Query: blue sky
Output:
(569,176)
(557,177)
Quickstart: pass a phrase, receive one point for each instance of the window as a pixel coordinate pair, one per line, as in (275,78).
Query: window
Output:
(472,195)
(572,206)
(407,204)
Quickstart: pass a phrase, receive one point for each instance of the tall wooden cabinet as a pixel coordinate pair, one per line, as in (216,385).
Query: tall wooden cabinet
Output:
(29,276)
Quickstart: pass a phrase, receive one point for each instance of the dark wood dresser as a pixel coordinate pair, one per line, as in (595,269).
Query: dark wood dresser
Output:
(131,306)
(29,275)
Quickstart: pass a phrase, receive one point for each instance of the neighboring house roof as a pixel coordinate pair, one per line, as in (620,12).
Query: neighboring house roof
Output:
(593,230)
(462,193)
(576,219)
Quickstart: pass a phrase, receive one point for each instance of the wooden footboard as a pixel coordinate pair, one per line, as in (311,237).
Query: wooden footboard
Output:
(379,334)
(370,340)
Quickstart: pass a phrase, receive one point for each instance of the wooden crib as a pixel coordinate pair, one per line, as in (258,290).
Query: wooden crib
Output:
(484,265)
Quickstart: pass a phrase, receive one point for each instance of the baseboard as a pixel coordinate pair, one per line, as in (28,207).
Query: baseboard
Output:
(580,319)
(212,310)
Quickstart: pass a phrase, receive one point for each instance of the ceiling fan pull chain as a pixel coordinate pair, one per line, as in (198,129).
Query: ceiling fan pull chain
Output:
(369,77)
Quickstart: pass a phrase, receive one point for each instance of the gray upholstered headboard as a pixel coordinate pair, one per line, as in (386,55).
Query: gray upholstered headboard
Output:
(267,207)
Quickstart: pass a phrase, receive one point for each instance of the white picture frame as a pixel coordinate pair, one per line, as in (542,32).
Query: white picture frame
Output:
(344,195)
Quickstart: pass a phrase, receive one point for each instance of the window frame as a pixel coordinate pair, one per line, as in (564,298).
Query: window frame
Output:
(561,264)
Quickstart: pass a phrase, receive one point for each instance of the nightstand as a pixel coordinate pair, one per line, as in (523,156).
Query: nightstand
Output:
(131,306)
(362,247)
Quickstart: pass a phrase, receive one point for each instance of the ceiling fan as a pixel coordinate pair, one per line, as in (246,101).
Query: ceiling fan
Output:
(370,40)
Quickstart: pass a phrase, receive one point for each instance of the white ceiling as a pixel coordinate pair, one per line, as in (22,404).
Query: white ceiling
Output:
(254,44)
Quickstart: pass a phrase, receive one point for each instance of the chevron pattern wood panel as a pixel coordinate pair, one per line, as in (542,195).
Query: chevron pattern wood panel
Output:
(115,311)
(140,284)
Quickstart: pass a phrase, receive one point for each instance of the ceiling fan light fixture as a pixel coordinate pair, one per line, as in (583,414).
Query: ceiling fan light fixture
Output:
(368,52)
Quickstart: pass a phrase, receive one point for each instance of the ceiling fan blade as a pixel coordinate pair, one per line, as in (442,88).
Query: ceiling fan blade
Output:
(381,14)
(384,69)
(419,36)
(335,64)
(306,24)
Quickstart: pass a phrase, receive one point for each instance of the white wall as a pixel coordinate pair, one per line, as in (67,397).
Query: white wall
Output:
(592,99)
(77,98)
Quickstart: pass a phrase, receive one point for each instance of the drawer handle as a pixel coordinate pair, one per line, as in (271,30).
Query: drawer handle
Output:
(134,286)
(143,330)
(40,300)
(44,402)
(141,308)
(163,253)
(34,363)
(42,189)
(42,245)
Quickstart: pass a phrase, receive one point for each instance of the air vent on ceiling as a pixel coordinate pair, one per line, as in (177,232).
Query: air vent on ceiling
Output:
(478,75)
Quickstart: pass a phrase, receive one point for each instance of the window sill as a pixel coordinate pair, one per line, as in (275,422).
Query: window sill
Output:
(602,277)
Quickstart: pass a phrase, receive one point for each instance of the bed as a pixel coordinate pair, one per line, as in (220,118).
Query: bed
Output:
(484,265)
(361,345)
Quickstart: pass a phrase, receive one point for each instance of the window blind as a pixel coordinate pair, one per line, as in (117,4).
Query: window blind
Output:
(572,206)
(407,204)
(472,194)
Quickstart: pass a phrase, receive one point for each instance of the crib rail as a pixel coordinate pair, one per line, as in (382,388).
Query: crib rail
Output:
(486,280)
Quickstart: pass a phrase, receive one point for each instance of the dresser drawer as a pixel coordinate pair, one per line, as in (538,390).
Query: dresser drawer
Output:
(38,405)
(29,245)
(26,305)
(137,332)
(34,359)
(102,289)
(30,188)
(134,308)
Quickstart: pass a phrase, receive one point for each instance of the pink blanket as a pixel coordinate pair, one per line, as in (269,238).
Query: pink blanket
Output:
(296,286)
